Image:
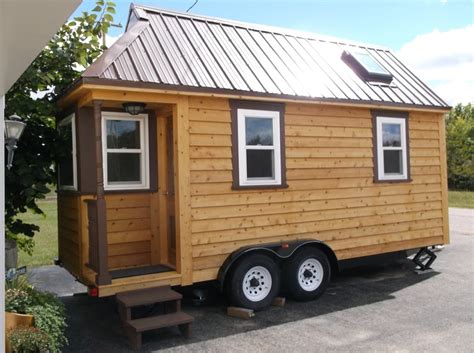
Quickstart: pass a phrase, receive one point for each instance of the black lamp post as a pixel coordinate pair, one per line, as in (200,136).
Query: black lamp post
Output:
(13,129)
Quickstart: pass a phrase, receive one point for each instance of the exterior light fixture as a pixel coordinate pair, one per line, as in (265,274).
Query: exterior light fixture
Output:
(134,108)
(13,129)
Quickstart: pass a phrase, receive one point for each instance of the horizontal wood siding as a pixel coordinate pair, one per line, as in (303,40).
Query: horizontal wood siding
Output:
(128,230)
(331,194)
(69,233)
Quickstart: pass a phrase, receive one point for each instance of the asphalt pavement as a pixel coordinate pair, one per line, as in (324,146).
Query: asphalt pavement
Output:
(387,307)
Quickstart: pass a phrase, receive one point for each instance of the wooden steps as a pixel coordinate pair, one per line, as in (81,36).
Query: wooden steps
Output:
(173,316)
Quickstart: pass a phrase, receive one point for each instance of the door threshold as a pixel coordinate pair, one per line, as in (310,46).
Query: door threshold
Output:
(139,271)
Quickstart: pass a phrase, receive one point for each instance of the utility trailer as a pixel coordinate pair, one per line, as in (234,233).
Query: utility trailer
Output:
(204,149)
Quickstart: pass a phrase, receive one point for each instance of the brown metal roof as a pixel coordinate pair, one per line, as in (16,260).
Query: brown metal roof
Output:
(194,52)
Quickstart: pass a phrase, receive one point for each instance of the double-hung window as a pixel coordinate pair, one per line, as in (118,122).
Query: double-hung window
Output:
(392,148)
(125,151)
(68,161)
(258,146)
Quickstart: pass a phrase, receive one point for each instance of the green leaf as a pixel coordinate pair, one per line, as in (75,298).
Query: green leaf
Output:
(108,17)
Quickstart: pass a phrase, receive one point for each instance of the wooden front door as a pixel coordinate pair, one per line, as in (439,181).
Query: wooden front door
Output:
(166,191)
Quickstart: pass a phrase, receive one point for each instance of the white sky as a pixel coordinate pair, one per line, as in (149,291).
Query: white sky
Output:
(445,61)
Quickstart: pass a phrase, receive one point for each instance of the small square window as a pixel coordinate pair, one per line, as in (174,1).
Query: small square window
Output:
(257,144)
(391,158)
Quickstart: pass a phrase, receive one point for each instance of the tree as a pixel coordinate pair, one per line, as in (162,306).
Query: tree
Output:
(460,147)
(75,46)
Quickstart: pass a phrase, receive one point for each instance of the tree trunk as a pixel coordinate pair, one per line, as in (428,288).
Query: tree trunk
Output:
(11,254)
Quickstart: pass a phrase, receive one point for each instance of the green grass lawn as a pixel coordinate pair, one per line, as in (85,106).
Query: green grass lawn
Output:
(46,240)
(461,199)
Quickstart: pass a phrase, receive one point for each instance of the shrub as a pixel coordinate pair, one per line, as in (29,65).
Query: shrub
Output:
(17,300)
(50,318)
(47,310)
(28,340)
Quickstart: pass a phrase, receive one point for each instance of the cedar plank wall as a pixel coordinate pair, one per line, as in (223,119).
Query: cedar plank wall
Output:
(69,243)
(128,230)
(331,194)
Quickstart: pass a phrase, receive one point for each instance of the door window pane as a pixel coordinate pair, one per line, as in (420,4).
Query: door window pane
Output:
(123,134)
(259,131)
(391,135)
(123,167)
(260,164)
(392,161)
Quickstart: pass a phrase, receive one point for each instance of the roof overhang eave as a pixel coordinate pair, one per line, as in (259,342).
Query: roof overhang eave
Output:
(86,84)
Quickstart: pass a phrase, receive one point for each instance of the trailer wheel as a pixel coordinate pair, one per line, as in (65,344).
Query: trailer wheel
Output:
(254,282)
(306,274)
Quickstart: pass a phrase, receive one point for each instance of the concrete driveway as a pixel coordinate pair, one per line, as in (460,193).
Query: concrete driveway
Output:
(379,308)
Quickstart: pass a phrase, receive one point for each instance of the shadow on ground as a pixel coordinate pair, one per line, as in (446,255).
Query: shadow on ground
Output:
(94,324)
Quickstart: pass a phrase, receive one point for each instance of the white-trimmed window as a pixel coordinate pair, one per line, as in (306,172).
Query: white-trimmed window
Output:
(392,148)
(259,144)
(67,166)
(125,151)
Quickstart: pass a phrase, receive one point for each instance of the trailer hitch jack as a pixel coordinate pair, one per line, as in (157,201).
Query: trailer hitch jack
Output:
(424,259)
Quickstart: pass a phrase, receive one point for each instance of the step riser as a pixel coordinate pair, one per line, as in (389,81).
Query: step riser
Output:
(172,307)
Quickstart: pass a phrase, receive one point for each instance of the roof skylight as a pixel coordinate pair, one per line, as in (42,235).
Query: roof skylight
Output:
(366,67)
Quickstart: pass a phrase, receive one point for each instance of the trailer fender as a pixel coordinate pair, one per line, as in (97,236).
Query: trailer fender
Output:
(278,251)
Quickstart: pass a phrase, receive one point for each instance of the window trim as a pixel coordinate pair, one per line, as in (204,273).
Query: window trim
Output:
(379,117)
(144,151)
(239,110)
(70,119)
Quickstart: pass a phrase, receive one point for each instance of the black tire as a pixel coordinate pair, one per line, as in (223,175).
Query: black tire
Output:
(240,272)
(293,279)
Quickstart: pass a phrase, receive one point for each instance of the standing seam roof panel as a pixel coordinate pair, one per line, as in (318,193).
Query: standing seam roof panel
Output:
(311,79)
(251,62)
(143,66)
(312,64)
(205,55)
(343,85)
(283,61)
(409,82)
(180,66)
(158,58)
(399,81)
(189,54)
(172,48)
(237,59)
(416,81)
(220,56)
(247,37)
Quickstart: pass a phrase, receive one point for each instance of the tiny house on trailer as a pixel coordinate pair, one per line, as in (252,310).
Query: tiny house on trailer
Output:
(205,149)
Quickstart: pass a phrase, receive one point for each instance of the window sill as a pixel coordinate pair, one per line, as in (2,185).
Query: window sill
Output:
(130,191)
(259,187)
(392,181)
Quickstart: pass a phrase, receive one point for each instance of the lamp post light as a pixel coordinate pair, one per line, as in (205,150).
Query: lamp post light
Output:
(13,129)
